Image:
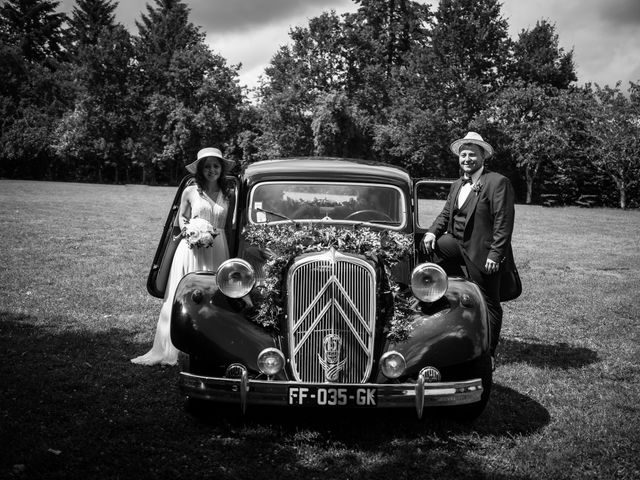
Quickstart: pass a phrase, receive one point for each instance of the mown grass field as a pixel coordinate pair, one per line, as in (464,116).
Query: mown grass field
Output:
(74,309)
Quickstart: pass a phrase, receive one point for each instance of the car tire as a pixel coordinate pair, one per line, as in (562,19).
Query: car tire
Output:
(478,368)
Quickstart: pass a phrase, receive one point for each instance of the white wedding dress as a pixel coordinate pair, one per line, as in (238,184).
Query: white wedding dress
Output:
(187,260)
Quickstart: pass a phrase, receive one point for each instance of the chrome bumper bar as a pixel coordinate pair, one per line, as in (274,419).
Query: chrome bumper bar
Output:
(244,391)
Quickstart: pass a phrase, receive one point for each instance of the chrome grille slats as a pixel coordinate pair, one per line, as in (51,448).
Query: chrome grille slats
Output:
(331,294)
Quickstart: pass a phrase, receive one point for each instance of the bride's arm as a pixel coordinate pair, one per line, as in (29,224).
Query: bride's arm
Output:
(185,207)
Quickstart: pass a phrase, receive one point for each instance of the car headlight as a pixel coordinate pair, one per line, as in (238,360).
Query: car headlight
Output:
(236,278)
(270,361)
(429,282)
(392,364)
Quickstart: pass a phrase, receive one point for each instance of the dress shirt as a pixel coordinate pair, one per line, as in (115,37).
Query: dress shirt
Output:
(466,188)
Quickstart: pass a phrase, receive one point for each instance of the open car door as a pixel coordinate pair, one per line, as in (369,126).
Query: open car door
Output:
(159,273)
(429,199)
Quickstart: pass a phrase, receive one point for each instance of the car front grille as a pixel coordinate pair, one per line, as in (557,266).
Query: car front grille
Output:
(331,317)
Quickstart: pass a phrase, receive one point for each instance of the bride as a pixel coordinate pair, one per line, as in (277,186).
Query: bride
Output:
(207,200)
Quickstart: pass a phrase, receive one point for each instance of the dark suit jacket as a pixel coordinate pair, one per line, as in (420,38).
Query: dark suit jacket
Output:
(489,224)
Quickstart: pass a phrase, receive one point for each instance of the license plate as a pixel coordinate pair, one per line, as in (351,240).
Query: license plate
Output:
(333,396)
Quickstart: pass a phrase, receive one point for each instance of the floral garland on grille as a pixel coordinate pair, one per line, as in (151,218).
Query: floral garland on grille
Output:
(282,243)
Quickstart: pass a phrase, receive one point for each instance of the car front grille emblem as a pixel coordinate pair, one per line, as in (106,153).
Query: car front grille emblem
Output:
(331,363)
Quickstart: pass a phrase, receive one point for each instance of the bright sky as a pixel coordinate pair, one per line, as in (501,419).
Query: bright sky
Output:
(604,34)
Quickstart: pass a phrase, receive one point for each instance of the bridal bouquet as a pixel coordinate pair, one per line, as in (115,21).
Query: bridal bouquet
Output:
(199,233)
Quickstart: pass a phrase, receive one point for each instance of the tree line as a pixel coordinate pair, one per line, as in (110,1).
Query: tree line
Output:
(83,99)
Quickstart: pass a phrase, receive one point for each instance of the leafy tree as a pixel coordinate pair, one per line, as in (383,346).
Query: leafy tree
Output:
(414,129)
(296,77)
(13,75)
(615,131)
(162,32)
(472,47)
(190,97)
(338,69)
(96,134)
(380,40)
(245,147)
(416,138)
(35,90)
(335,127)
(571,174)
(34,27)
(538,58)
(320,49)
(531,119)
(88,21)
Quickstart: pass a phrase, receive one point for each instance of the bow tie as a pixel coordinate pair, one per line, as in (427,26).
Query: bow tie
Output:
(466,180)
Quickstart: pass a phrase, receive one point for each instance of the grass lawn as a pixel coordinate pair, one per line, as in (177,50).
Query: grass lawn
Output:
(74,309)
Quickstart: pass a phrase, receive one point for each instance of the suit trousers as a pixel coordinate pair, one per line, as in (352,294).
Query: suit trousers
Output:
(452,259)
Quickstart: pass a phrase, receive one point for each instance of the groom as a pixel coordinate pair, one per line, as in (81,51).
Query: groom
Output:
(474,228)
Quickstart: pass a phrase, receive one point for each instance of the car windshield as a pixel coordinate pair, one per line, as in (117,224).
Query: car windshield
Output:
(281,202)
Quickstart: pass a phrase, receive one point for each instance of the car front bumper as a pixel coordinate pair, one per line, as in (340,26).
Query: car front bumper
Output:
(244,392)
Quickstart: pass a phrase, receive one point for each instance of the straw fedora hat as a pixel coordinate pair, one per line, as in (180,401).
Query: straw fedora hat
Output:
(206,153)
(475,138)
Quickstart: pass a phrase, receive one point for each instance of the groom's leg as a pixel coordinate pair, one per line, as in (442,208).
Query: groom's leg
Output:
(490,286)
(450,255)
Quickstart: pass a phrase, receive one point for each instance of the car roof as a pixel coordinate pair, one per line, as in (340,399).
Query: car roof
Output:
(326,169)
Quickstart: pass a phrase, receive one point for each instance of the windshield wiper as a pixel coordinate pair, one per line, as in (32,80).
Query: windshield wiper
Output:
(276,214)
(376,222)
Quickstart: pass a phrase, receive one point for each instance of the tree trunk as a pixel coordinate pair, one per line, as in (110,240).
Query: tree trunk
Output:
(529,178)
(623,197)
(622,188)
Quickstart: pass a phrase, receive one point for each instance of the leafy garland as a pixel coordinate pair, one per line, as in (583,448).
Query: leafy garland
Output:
(281,243)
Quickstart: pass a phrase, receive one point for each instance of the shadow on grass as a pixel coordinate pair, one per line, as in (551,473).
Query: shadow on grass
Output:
(73,406)
(560,355)
(385,444)
(508,413)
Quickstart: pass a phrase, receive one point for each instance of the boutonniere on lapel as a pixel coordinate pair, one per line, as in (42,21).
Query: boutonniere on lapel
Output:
(476,187)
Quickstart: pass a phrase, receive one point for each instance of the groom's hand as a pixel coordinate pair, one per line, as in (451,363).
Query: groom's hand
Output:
(491,266)
(429,242)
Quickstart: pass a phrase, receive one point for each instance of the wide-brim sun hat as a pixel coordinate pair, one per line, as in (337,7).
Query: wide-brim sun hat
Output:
(206,153)
(476,139)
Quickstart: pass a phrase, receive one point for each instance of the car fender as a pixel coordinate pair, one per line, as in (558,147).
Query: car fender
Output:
(449,336)
(206,323)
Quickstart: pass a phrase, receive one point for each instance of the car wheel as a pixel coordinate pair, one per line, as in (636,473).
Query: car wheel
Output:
(478,368)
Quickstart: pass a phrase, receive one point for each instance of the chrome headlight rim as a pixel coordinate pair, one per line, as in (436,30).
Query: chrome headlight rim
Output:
(235,266)
(388,369)
(441,277)
(266,364)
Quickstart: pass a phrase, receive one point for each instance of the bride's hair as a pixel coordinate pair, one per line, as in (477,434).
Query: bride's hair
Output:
(223,183)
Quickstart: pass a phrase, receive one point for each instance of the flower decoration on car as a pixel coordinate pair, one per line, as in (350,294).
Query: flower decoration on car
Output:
(281,243)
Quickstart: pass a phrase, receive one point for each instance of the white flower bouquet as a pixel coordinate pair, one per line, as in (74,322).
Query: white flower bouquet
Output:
(199,233)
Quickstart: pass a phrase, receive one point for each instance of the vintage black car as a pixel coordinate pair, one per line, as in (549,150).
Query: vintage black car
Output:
(327,301)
